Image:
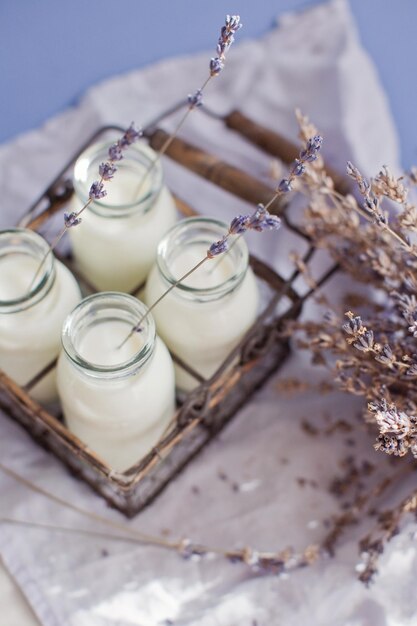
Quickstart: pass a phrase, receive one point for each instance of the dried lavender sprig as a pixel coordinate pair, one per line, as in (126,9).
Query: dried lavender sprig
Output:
(308,154)
(363,340)
(371,208)
(337,197)
(195,100)
(259,562)
(371,202)
(232,25)
(265,562)
(96,191)
(260,221)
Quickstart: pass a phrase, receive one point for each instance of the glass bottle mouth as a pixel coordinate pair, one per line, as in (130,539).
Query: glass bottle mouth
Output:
(95,313)
(21,254)
(128,192)
(200,233)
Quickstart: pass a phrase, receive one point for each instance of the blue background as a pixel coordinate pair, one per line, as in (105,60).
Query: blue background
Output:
(52,51)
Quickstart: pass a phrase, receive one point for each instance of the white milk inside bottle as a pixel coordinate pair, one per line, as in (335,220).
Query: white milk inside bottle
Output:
(117,396)
(204,318)
(33,306)
(115,246)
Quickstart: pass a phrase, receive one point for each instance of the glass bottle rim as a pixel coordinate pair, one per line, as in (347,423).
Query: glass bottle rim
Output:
(98,153)
(25,241)
(99,308)
(211,229)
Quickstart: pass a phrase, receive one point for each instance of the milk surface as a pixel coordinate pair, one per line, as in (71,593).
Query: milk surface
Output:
(212,273)
(16,275)
(101,344)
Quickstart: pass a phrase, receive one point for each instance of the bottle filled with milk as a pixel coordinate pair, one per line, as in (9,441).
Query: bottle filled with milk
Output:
(115,246)
(35,298)
(204,317)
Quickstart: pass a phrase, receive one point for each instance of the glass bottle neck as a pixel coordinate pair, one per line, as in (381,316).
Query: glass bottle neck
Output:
(186,244)
(27,269)
(94,336)
(134,188)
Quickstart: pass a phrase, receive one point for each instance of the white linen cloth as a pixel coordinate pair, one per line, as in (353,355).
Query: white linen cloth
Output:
(249,486)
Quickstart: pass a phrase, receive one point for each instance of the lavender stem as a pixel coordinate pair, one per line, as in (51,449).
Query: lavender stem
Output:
(168,141)
(54,245)
(97,190)
(177,282)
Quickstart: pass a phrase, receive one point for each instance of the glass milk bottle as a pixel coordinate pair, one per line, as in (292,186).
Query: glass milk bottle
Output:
(204,317)
(115,246)
(119,400)
(31,316)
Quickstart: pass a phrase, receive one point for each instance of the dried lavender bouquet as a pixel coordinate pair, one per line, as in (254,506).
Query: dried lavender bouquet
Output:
(372,351)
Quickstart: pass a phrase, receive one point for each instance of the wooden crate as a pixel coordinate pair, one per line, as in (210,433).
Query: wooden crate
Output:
(204,412)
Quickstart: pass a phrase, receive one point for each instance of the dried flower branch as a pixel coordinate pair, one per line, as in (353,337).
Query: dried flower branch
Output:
(97,190)
(265,563)
(374,353)
(227,36)
(387,367)
(258,562)
(308,154)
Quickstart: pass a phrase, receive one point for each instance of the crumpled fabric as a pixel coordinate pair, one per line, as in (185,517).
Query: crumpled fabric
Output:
(264,482)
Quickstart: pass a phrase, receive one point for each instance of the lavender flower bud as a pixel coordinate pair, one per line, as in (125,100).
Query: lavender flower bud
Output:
(239,224)
(216,66)
(224,43)
(71,219)
(285,185)
(130,136)
(412,371)
(363,184)
(262,220)
(386,356)
(298,168)
(365,342)
(256,217)
(314,143)
(97,191)
(370,203)
(218,248)
(196,99)
(390,445)
(115,152)
(380,218)
(107,170)
(353,326)
(269,222)
(310,153)
(233,23)
(353,171)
